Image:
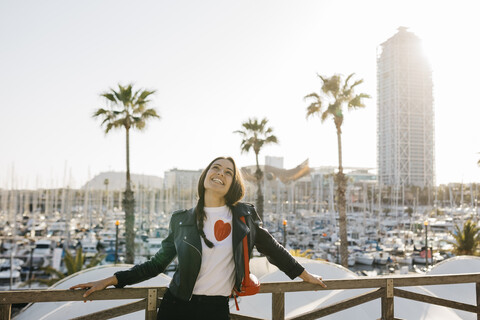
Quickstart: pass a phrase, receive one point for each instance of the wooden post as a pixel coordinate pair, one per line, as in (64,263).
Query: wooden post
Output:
(278,306)
(387,301)
(151,310)
(5,311)
(477,291)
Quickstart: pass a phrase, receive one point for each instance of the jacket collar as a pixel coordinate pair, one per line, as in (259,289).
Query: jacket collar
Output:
(190,217)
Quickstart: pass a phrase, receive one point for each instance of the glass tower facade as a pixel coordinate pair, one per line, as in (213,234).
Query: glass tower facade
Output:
(405,114)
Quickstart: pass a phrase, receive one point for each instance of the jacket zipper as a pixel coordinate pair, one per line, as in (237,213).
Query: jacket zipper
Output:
(193,247)
(191,295)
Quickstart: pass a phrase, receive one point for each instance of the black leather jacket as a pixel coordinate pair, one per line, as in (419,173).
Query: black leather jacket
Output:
(183,240)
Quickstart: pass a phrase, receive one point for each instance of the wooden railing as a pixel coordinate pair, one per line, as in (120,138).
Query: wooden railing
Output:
(384,288)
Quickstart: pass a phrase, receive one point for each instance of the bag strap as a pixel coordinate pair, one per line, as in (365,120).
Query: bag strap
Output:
(247,267)
(245,252)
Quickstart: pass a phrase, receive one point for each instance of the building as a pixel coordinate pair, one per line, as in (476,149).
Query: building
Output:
(276,162)
(405,114)
(180,188)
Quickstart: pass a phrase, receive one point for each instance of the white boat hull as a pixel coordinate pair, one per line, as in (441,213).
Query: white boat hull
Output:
(365,259)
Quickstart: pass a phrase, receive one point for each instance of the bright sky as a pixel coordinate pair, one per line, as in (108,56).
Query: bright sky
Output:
(214,64)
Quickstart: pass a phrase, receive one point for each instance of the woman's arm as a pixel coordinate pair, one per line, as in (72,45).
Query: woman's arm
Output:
(149,269)
(279,256)
(312,278)
(96,285)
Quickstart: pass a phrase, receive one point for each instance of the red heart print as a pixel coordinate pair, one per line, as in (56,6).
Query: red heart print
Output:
(221,230)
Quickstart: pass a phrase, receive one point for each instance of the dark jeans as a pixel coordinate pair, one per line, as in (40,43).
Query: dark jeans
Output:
(198,308)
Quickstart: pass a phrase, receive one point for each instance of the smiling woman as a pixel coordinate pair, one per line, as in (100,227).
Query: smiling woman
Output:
(210,270)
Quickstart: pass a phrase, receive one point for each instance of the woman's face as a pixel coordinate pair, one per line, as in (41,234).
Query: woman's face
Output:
(219,177)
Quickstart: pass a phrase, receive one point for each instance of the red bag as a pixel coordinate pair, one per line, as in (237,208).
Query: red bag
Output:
(250,284)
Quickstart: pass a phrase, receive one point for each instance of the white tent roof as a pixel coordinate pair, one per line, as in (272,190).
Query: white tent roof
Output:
(465,292)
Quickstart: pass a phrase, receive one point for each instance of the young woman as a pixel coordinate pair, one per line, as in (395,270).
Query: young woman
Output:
(207,240)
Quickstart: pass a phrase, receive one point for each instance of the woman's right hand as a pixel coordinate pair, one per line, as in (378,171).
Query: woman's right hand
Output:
(96,285)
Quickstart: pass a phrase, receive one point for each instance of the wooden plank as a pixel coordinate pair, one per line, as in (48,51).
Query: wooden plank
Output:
(423,280)
(341,305)
(296,286)
(387,301)
(374,282)
(434,300)
(151,310)
(387,308)
(235,316)
(11,297)
(114,312)
(389,288)
(5,311)
(477,292)
(278,306)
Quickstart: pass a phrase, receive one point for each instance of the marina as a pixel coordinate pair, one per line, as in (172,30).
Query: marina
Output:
(384,237)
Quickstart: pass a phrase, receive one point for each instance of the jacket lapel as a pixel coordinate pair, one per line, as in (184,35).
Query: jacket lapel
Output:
(240,229)
(191,221)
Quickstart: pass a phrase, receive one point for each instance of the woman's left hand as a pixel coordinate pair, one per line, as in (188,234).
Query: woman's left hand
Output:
(312,278)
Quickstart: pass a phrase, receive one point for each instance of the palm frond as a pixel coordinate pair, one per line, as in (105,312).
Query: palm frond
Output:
(271,139)
(101,112)
(79,260)
(313,109)
(243,133)
(314,95)
(347,80)
(467,239)
(110,96)
(69,262)
(356,102)
(356,83)
(331,86)
(138,123)
(95,260)
(123,122)
(108,127)
(144,94)
(324,116)
(150,113)
(52,271)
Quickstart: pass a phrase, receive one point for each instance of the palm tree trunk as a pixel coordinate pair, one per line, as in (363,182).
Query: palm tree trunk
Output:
(341,204)
(128,206)
(259,176)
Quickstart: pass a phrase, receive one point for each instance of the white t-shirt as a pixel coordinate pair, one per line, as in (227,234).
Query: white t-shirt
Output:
(216,276)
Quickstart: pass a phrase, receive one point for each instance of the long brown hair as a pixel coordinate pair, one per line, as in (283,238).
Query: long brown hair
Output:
(233,196)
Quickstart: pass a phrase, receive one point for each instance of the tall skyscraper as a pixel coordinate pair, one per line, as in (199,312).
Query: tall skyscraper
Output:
(405,115)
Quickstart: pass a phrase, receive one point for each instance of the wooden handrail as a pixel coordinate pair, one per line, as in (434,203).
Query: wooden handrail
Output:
(386,288)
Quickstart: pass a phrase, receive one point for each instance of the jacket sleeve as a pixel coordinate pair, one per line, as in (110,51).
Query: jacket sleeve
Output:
(276,254)
(157,264)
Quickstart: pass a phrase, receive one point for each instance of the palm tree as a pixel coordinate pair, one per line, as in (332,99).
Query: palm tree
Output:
(255,135)
(73,264)
(336,94)
(127,111)
(467,240)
